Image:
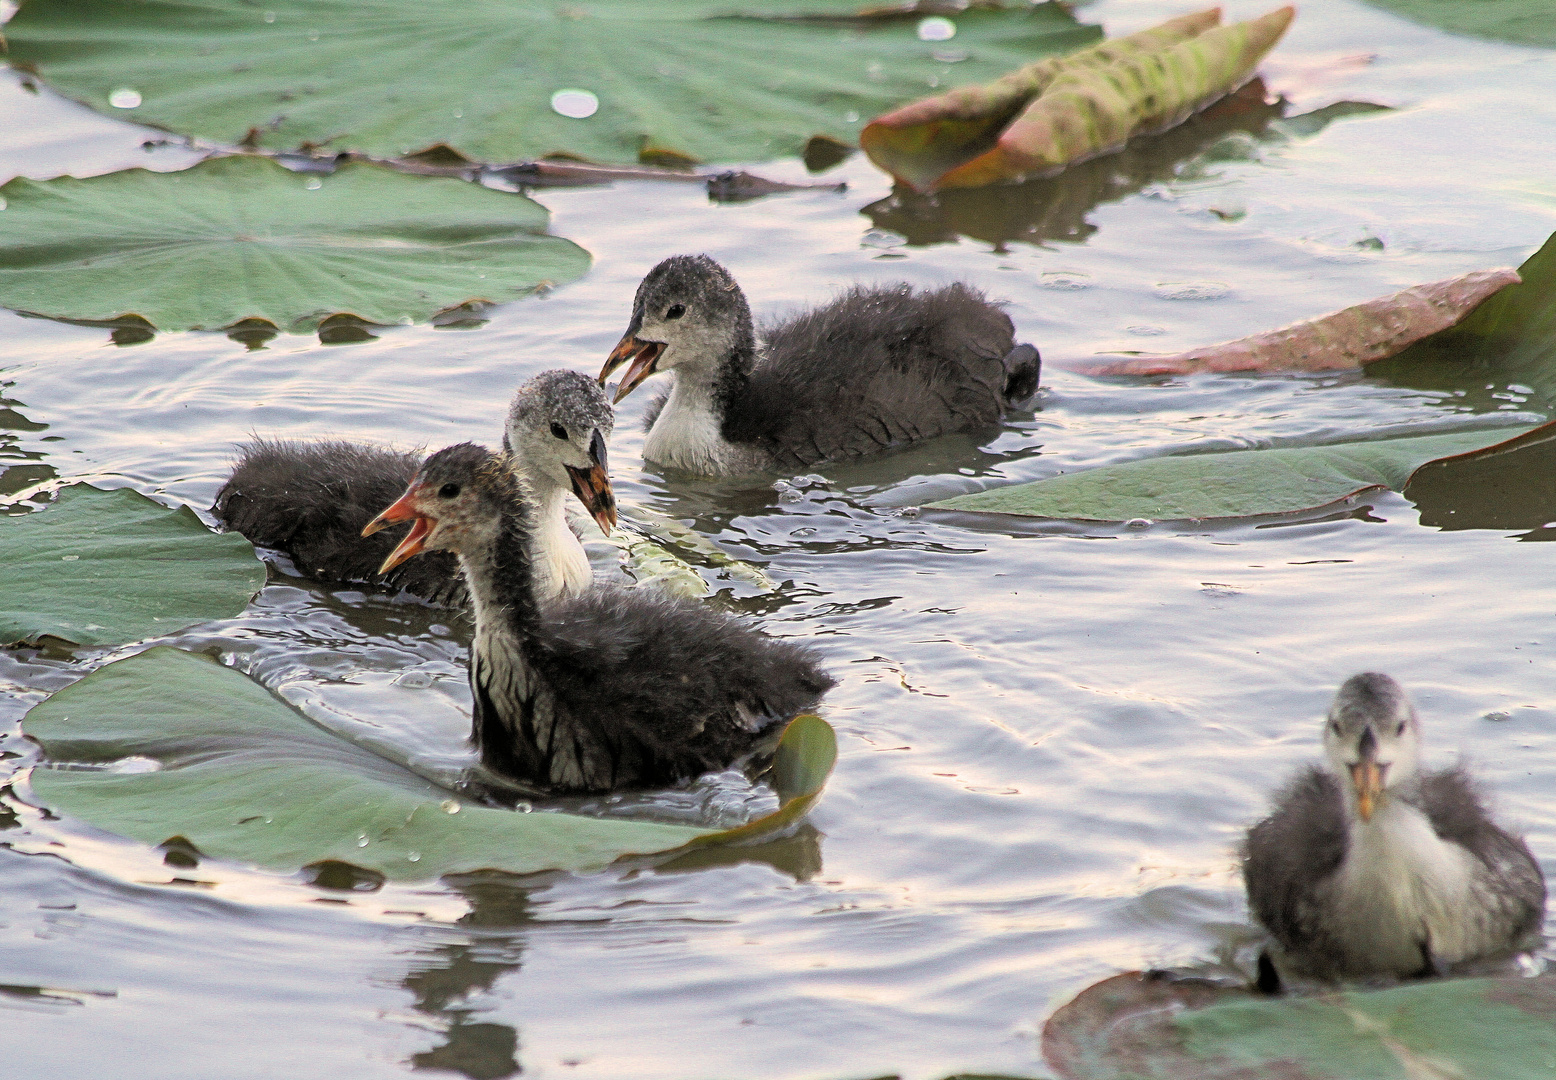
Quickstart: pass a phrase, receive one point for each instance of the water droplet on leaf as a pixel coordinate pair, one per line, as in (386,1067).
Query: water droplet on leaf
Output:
(124,99)
(577,104)
(936,28)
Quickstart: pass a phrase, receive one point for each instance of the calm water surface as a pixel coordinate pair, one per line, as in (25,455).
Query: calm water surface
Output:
(1050,740)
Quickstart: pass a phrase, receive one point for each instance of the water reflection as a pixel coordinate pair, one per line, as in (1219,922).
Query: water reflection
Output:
(1511,488)
(1055,208)
(445,978)
(19,469)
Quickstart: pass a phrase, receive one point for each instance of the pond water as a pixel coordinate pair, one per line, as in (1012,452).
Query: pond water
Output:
(1050,740)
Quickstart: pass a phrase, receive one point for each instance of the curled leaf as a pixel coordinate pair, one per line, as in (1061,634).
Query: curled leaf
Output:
(1340,341)
(1057,112)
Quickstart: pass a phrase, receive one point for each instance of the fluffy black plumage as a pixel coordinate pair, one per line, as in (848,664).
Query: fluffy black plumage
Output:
(879,367)
(311,500)
(614,689)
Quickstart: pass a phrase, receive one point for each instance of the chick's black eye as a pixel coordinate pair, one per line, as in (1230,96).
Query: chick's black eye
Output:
(558,430)
(675,311)
(448,491)
(1401,729)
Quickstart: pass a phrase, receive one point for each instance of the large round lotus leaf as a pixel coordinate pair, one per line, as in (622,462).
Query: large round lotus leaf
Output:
(1146,1027)
(1242,483)
(242,237)
(106,567)
(683,76)
(246,777)
(1529,22)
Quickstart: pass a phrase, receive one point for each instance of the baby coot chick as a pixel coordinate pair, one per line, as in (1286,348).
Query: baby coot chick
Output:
(1369,866)
(312,500)
(877,368)
(616,688)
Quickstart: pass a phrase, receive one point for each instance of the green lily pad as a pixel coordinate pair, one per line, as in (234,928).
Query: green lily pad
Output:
(243,776)
(105,567)
(239,238)
(674,79)
(1527,22)
(1146,1027)
(1242,483)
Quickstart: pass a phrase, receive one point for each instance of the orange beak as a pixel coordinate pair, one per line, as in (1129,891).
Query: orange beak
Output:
(644,356)
(403,509)
(1367,776)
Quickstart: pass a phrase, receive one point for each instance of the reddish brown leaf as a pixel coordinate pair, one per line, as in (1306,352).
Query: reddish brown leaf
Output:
(1340,341)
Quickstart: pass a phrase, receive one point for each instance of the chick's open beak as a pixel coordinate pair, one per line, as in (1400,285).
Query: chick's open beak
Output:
(593,485)
(1367,776)
(403,509)
(645,359)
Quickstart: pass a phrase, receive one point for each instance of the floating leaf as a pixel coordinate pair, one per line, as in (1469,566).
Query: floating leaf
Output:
(1057,112)
(1340,341)
(241,238)
(1242,483)
(105,567)
(245,777)
(676,80)
(1528,22)
(1155,1027)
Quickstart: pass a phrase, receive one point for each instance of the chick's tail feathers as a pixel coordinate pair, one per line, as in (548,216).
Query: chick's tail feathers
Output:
(1023,367)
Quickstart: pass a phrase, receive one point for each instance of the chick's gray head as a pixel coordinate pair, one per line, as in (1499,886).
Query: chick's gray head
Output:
(557,429)
(1372,739)
(688,313)
(455,502)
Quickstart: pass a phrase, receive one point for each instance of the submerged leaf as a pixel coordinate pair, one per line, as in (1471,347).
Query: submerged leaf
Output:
(1153,1026)
(678,80)
(1340,341)
(245,777)
(1242,483)
(241,238)
(1058,112)
(105,567)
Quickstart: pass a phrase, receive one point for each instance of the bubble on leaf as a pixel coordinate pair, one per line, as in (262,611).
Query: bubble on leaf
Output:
(315,184)
(124,99)
(270,16)
(936,28)
(577,104)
